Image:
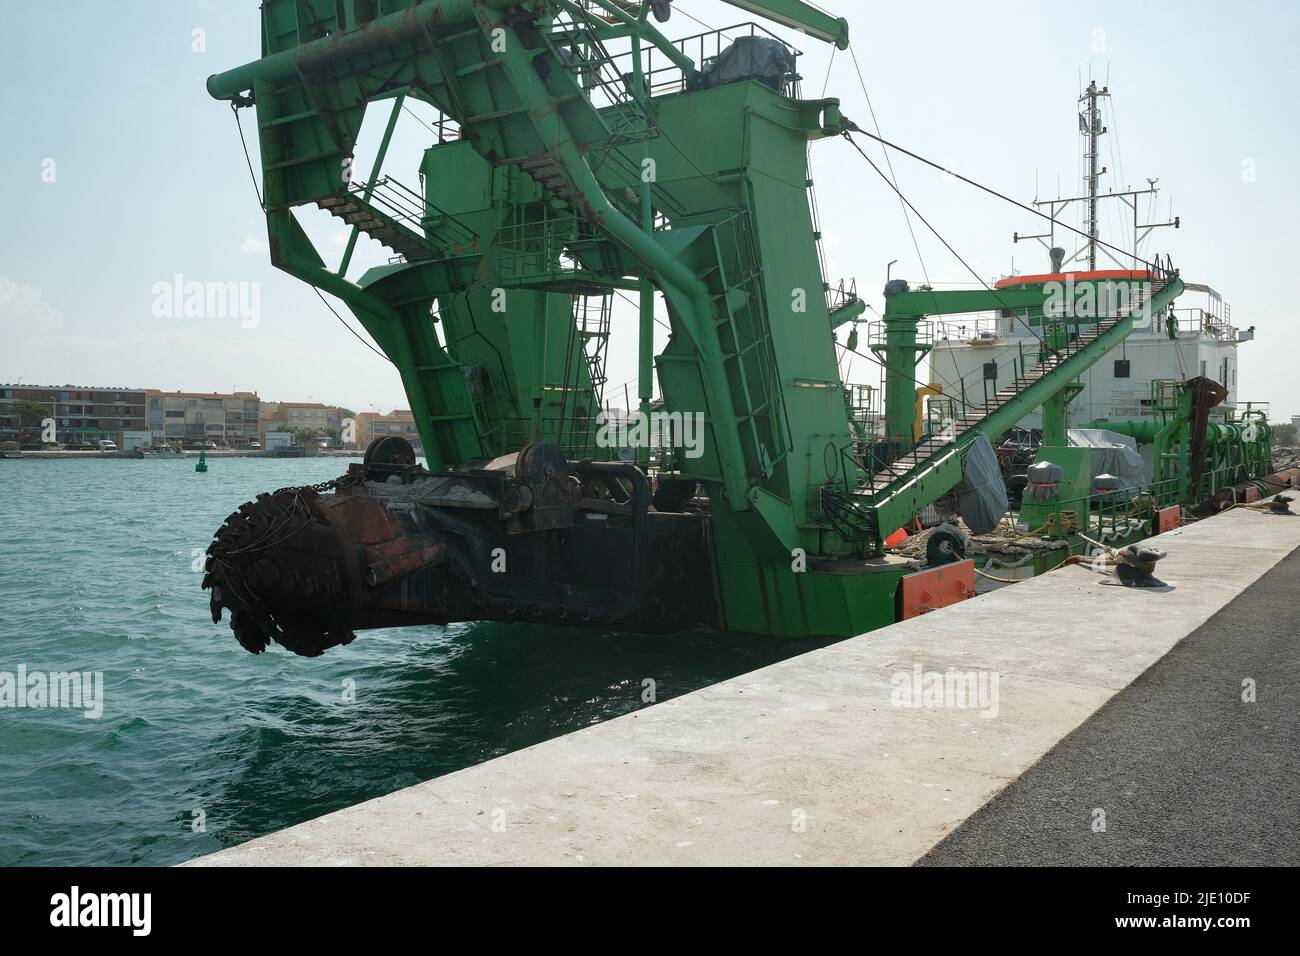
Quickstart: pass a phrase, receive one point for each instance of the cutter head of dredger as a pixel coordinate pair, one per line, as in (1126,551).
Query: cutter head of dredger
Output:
(527,537)
(266,564)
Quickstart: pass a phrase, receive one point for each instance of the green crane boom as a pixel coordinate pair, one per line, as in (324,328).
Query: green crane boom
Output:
(802,17)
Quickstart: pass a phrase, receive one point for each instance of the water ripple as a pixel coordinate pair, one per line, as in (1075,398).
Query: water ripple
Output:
(96,575)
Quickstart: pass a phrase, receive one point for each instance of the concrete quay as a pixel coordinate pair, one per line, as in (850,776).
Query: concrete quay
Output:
(820,759)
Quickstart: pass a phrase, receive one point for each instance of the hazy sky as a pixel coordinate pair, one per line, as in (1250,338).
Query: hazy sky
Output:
(122,174)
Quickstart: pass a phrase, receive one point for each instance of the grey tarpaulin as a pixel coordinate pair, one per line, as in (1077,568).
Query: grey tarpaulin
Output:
(750,58)
(1043,477)
(1112,454)
(1044,473)
(982,494)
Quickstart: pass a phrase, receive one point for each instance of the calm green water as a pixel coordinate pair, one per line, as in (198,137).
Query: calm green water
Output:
(95,575)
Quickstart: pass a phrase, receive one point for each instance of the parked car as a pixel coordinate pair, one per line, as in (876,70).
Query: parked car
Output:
(105,444)
(210,445)
(255,445)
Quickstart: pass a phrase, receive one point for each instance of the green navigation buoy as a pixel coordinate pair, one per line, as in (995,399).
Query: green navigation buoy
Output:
(203,462)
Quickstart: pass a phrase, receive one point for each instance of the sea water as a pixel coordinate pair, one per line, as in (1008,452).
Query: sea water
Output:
(198,744)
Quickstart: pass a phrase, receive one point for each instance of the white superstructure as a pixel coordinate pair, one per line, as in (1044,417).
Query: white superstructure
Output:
(975,356)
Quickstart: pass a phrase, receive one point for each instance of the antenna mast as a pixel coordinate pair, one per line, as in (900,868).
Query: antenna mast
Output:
(1091,129)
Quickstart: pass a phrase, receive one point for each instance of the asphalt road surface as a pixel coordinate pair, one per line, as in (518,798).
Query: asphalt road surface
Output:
(1185,771)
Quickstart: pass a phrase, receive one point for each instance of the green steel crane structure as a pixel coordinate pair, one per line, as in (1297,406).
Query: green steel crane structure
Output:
(1067,350)
(566,174)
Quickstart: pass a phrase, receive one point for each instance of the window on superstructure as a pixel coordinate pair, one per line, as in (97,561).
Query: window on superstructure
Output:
(1121,368)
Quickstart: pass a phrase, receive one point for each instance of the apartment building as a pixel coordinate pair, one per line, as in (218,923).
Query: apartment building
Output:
(193,417)
(314,417)
(400,421)
(82,414)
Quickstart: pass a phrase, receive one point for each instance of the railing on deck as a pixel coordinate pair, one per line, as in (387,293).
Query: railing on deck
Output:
(1120,511)
(577,436)
(400,202)
(841,294)
(662,76)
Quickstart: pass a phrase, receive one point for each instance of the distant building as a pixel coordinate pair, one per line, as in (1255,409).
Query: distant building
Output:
(82,414)
(301,416)
(190,417)
(311,415)
(371,425)
(270,419)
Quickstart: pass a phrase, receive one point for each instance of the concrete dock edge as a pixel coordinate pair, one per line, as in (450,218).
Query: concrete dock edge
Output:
(812,760)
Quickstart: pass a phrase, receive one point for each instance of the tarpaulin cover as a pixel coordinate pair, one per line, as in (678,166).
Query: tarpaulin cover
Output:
(750,58)
(1044,477)
(1111,453)
(982,494)
(1044,473)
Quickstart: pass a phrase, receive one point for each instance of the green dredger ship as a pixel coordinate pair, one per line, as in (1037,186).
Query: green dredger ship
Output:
(567,174)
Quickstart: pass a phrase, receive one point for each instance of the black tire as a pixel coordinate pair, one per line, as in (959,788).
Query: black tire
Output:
(945,545)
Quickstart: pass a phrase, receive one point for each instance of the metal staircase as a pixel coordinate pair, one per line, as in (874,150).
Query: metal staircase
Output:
(929,470)
(745,339)
(592,325)
(403,240)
